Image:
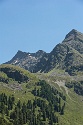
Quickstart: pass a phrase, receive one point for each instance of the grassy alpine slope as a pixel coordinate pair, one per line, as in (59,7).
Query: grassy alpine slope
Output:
(73,114)
(24,86)
(24,90)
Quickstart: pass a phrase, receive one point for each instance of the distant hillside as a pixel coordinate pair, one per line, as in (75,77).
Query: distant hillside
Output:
(67,55)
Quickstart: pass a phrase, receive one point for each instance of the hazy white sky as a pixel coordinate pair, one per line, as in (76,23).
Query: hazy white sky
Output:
(30,25)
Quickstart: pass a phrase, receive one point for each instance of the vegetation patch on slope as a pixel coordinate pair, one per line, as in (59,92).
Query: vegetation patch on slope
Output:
(77,86)
(16,73)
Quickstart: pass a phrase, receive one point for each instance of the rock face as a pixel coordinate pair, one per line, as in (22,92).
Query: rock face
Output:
(26,60)
(75,40)
(66,55)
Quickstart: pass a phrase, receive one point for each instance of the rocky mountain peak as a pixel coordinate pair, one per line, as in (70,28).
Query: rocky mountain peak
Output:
(39,53)
(26,60)
(65,54)
(72,32)
(74,35)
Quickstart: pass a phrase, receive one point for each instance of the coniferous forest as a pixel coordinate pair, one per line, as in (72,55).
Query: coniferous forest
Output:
(42,110)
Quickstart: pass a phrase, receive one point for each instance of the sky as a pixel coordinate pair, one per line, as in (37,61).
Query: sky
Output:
(32,25)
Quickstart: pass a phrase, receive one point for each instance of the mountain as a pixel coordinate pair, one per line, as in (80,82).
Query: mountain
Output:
(67,55)
(52,95)
(26,60)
